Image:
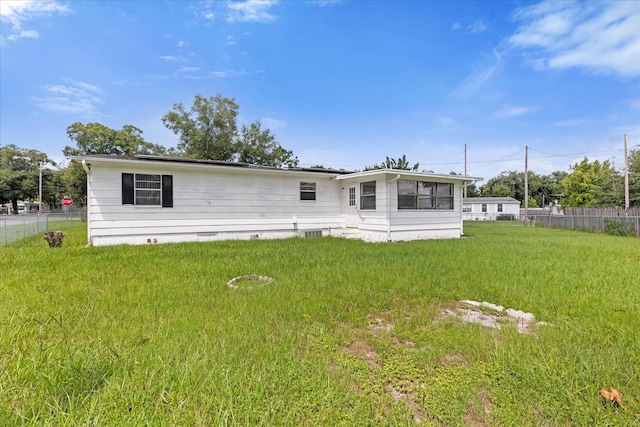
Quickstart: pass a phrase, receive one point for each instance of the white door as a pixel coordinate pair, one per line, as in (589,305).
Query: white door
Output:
(352,206)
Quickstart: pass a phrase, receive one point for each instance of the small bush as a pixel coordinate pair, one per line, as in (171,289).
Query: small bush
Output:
(617,227)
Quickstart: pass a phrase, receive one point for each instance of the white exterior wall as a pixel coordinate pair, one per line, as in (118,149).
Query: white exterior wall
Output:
(370,225)
(211,203)
(411,224)
(387,223)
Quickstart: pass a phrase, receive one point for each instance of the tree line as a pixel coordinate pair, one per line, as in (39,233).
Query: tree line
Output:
(209,130)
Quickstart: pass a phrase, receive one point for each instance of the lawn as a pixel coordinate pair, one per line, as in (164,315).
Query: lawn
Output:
(347,333)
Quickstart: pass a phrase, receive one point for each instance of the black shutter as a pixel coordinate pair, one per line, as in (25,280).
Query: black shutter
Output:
(127,189)
(167,191)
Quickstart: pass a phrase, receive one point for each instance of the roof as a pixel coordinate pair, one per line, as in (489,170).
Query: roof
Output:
(341,174)
(408,174)
(180,160)
(490,200)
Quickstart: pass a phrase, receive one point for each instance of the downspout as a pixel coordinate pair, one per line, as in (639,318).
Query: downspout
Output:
(389,208)
(87,169)
(462,191)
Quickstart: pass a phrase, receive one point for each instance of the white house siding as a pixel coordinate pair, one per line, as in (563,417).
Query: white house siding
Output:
(367,224)
(424,224)
(211,203)
(387,223)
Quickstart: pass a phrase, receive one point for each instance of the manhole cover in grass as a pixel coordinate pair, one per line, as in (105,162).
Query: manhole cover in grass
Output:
(249,281)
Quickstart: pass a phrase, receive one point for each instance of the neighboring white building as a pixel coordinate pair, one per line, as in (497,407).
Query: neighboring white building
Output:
(490,208)
(150,199)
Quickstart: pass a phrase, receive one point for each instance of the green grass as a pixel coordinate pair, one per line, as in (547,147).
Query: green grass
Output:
(348,333)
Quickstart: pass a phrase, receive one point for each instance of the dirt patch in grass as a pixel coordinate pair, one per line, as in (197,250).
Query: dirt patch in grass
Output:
(362,350)
(478,412)
(491,315)
(409,399)
(249,281)
(380,323)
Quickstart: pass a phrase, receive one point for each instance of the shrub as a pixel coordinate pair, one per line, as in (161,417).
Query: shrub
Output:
(617,227)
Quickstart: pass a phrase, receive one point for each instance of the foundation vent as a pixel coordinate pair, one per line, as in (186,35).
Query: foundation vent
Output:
(310,234)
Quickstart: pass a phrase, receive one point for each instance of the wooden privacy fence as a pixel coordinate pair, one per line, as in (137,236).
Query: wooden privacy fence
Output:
(609,211)
(618,225)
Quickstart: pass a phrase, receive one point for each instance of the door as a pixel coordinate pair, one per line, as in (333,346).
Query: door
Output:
(352,207)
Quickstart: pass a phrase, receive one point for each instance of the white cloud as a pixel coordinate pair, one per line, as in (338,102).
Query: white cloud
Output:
(171,58)
(18,12)
(570,123)
(230,41)
(479,76)
(446,120)
(181,43)
(602,37)
(76,97)
(273,124)
(509,112)
(250,11)
(209,15)
(477,27)
(323,3)
(188,69)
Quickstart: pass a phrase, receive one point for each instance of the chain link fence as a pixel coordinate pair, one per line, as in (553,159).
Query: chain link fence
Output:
(17,227)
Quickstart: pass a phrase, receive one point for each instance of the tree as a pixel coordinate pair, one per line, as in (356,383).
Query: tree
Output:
(507,184)
(20,174)
(208,130)
(96,138)
(511,184)
(259,147)
(391,163)
(592,184)
(472,191)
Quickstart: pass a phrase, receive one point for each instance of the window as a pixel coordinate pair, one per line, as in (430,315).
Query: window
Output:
(368,195)
(499,207)
(424,195)
(466,209)
(143,189)
(484,207)
(352,196)
(307,191)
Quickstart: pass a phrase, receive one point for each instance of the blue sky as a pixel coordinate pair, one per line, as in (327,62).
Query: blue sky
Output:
(341,83)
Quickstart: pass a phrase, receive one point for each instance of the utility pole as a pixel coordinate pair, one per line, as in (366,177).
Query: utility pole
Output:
(465,169)
(40,189)
(526,184)
(626,176)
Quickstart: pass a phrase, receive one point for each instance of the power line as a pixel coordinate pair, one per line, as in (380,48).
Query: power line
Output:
(548,155)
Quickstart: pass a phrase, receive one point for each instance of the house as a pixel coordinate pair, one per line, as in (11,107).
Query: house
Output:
(151,199)
(490,208)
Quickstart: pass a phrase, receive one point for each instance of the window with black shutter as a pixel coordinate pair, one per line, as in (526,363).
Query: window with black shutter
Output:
(142,189)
